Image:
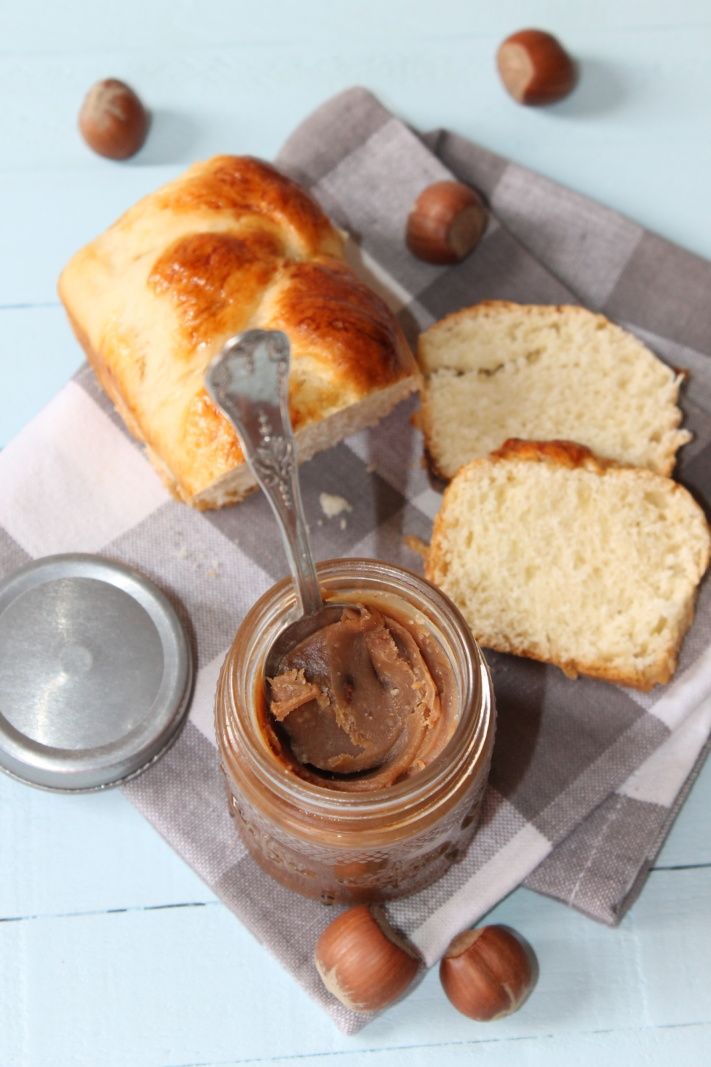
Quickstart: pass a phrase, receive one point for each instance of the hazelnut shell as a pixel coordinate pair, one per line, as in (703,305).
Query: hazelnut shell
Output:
(487,973)
(363,962)
(446,223)
(112,119)
(535,68)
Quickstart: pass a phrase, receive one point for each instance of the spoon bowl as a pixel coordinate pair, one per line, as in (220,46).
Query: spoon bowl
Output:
(296,632)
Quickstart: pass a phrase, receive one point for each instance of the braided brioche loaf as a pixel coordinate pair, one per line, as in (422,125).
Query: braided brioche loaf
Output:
(230,245)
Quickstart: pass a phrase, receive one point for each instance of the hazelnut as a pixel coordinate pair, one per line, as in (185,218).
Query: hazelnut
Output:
(112,120)
(535,68)
(363,962)
(446,223)
(487,973)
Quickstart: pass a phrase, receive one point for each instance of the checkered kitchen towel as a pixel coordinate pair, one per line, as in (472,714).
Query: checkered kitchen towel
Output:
(587,777)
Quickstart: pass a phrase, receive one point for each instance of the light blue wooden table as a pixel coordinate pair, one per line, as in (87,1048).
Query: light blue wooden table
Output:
(112,952)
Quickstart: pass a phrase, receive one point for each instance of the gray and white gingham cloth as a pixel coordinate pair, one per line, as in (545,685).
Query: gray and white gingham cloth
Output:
(586,777)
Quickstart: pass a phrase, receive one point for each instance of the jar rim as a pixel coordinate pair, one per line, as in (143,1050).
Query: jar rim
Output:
(474,699)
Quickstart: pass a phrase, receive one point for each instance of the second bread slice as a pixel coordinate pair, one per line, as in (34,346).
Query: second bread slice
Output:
(551,553)
(500,370)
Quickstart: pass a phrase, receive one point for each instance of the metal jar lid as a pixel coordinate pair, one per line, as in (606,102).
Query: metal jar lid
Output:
(95,673)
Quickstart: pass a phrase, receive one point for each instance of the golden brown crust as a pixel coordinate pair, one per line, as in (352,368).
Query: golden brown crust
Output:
(242,186)
(349,329)
(231,245)
(207,275)
(562,453)
(570,454)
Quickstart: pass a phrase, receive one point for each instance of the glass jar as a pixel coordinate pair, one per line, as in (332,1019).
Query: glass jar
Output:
(344,846)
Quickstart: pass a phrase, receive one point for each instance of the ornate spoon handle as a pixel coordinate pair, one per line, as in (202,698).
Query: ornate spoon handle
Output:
(248,381)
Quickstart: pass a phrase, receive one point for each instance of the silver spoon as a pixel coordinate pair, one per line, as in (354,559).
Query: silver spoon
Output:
(248,381)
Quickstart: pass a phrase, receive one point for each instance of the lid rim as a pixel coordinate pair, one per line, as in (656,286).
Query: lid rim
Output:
(101,787)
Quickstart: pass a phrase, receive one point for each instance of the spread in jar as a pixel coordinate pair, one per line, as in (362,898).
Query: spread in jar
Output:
(363,702)
(359,773)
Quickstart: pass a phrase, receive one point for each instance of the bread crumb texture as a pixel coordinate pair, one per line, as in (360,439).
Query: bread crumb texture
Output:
(500,370)
(553,553)
(333,505)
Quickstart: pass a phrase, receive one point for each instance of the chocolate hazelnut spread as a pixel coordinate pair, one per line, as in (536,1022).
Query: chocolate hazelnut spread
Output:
(363,702)
(391,828)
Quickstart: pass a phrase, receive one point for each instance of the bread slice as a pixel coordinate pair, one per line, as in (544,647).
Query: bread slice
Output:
(500,370)
(553,553)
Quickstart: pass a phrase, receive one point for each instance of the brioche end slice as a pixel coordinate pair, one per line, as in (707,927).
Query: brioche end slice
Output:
(499,370)
(552,553)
